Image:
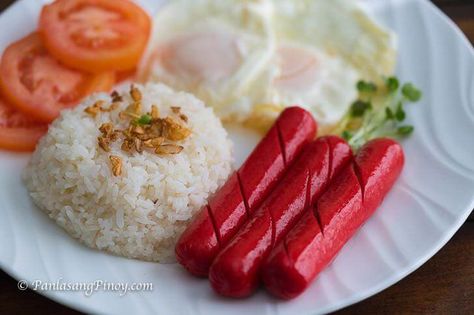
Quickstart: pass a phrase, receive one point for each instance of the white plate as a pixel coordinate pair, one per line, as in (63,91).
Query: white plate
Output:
(428,204)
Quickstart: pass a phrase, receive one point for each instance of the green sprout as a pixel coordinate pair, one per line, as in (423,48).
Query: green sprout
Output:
(392,84)
(144,120)
(411,93)
(366,87)
(378,112)
(359,108)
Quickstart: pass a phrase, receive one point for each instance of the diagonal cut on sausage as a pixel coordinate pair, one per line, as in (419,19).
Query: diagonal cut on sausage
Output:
(318,236)
(235,271)
(231,205)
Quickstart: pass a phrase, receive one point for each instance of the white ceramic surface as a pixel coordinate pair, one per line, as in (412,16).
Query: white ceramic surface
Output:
(433,197)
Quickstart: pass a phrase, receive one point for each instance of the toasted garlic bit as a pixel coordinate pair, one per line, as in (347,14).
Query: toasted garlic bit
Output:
(116,162)
(93,111)
(132,111)
(104,143)
(99,107)
(183,117)
(154,143)
(114,135)
(137,107)
(126,145)
(116,97)
(124,115)
(138,130)
(155,114)
(138,145)
(144,131)
(95,108)
(168,149)
(176,109)
(135,94)
(108,136)
(156,128)
(147,144)
(106,129)
(175,131)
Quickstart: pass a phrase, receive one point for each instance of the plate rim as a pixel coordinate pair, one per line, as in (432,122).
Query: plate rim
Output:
(355,298)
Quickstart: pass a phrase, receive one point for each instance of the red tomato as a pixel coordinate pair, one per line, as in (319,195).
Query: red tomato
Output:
(18,132)
(38,85)
(95,35)
(125,76)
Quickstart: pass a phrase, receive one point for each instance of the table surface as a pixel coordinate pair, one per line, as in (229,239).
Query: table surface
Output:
(444,285)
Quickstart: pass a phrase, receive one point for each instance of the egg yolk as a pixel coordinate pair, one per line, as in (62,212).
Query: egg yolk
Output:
(299,68)
(198,57)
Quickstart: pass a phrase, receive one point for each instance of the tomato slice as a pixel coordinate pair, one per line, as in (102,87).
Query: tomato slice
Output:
(38,85)
(18,132)
(95,35)
(123,76)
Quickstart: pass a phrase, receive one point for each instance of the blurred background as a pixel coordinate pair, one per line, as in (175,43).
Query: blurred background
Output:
(444,285)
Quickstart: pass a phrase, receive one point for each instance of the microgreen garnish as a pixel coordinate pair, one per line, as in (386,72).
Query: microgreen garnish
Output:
(392,84)
(379,112)
(347,135)
(411,92)
(405,130)
(359,108)
(389,115)
(144,120)
(366,87)
(400,113)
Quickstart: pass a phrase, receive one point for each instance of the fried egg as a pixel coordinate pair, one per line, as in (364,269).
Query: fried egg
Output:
(216,50)
(249,59)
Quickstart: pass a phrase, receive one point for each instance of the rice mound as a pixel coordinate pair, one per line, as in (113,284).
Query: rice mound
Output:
(141,213)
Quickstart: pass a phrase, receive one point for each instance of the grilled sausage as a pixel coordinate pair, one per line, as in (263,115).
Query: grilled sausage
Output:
(320,234)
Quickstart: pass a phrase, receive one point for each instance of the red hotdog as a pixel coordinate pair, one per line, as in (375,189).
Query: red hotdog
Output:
(235,271)
(319,235)
(232,204)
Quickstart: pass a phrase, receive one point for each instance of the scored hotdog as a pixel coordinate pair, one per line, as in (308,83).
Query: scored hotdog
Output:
(235,271)
(319,235)
(231,205)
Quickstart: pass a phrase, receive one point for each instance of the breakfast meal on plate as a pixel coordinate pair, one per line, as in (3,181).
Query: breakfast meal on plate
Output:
(146,170)
(251,59)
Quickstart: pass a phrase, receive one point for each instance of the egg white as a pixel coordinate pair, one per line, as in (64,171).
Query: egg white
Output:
(340,28)
(243,46)
(249,59)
